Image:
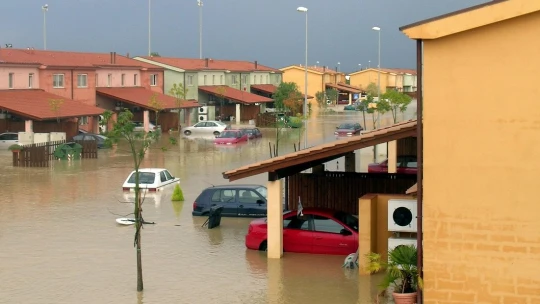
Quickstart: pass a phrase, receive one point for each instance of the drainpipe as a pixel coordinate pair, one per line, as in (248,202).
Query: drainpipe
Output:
(420,159)
(72,85)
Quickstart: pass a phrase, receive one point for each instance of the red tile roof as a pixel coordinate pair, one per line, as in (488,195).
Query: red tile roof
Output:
(141,97)
(344,88)
(307,158)
(70,59)
(191,64)
(394,71)
(318,69)
(236,95)
(34,104)
(267,88)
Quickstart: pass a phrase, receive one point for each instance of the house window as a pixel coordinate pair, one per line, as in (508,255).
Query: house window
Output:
(30,80)
(58,80)
(123,79)
(220,79)
(261,79)
(267,79)
(135,80)
(109,80)
(204,79)
(234,79)
(83,120)
(244,79)
(190,80)
(97,80)
(82,80)
(254,79)
(153,80)
(10,81)
(213,79)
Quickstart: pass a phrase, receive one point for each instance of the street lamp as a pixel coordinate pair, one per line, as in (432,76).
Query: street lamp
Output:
(378,29)
(200,4)
(338,65)
(304,10)
(45,8)
(360,66)
(369,64)
(149,28)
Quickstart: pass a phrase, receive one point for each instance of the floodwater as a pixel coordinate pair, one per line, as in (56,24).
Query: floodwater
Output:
(59,242)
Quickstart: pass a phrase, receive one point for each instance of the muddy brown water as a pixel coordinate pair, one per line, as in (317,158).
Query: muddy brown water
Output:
(59,242)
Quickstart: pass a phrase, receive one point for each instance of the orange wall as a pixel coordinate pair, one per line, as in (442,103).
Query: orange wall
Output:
(366,77)
(145,80)
(70,90)
(481,226)
(316,82)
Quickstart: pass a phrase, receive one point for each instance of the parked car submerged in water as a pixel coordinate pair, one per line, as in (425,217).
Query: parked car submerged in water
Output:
(253,133)
(7,139)
(150,179)
(100,139)
(206,127)
(228,137)
(406,164)
(348,129)
(237,200)
(316,230)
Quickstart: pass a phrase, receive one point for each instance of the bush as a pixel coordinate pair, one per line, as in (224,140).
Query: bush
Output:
(15,147)
(178,195)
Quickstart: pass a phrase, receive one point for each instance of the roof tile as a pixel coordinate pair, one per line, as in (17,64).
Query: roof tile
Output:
(235,94)
(141,97)
(191,64)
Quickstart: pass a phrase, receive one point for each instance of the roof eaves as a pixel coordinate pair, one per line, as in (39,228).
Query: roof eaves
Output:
(159,64)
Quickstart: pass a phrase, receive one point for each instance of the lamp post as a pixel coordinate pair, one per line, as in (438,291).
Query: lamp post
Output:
(360,66)
(369,64)
(304,10)
(45,8)
(149,28)
(337,74)
(378,29)
(200,4)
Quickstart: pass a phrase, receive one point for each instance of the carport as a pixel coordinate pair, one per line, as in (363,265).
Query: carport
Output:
(291,166)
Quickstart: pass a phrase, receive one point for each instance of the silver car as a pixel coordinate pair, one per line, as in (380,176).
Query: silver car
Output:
(206,127)
(139,126)
(7,139)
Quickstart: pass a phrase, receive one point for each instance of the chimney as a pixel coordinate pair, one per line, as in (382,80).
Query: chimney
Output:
(324,68)
(114,57)
(206,62)
(111,58)
(127,55)
(256,65)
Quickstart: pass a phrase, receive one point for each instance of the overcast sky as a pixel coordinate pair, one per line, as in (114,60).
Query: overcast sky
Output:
(270,31)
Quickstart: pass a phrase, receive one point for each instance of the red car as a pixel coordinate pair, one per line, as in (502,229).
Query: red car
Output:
(317,230)
(228,137)
(406,164)
(348,129)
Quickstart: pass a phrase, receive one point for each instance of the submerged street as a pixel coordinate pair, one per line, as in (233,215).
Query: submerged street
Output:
(60,242)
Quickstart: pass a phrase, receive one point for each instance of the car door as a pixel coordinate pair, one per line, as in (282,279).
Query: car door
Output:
(251,203)
(297,233)
(329,237)
(8,139)
(198,127)
(211,127)
(226,198)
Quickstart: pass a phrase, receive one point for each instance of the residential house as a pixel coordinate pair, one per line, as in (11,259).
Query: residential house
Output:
(82,76)
(222,87)
(320,78)
(481,232)
(403,80)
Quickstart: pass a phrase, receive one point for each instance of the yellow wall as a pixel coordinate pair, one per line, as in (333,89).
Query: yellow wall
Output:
(298,76)
(481,164)
(364,78)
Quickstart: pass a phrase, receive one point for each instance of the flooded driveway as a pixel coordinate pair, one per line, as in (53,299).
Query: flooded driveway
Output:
(59,242)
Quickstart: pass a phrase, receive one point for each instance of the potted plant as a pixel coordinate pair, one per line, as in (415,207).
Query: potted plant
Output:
(15,148)
(401,273)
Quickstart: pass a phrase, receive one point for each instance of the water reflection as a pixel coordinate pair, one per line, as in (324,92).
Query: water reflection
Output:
(60,241)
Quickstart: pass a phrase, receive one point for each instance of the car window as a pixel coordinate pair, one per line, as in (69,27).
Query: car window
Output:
(210,124)
(199,125)
(9,136)
(348,219)
(248,197)
(144,178)
(162,176)
(224,196)
(262,191)
(411,164)
(295,222)
(221,124)
(168,175)
(325,224)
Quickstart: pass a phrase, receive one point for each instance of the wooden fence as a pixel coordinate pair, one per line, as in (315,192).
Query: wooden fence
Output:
(341,190)
(40,155)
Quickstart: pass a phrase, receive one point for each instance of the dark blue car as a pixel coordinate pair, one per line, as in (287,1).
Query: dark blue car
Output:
(237,200)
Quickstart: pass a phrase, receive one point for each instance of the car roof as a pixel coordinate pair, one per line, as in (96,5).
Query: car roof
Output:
(251,186)
(9,133)
(318,210)
(154,170)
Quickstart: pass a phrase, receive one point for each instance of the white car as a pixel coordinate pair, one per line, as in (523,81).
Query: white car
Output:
(7,139)
(139,126)
(206,127)
(151,179)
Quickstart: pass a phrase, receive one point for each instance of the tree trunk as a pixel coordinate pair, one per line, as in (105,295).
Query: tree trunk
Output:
(138,224)
(179,119)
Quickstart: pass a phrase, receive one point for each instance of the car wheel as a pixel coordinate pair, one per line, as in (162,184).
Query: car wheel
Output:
(187,132)
(263,246)
(216,133)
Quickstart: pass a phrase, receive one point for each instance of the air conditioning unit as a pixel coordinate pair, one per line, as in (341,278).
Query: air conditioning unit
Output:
(203,117)
(26,138)
(395,242)
(402,215)
(40,138)
(57,136)
(203,110)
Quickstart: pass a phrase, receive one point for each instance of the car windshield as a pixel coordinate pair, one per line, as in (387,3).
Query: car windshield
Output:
(347,219)
(249,131)
(262,191)
(346,126)
(144,178)
(229,134)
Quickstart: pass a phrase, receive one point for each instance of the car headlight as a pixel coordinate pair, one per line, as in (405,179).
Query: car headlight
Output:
(349,133)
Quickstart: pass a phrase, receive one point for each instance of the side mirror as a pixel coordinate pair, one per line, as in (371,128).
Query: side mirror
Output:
(345,232)
(337,127)
(260,202)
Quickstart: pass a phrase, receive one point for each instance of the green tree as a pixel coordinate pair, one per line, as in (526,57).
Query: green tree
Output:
(138,144)
(179,92)
(397,102)
(154,54)
(363,106)
(321,100)
(372,89)
(283,92)
(375,108)
(156,105)
(332,95)
(55,105)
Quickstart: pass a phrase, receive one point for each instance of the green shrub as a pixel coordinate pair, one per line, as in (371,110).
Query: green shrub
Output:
(178,195)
